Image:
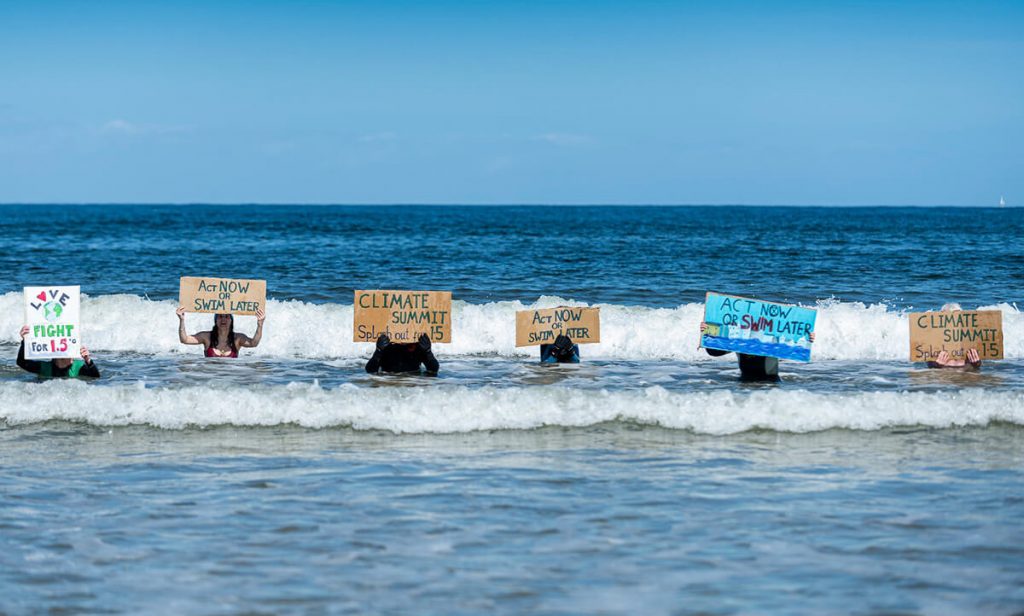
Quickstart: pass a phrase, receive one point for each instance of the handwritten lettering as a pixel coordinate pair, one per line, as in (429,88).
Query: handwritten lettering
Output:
(52,330)
(956,332)
(755,327)
(542,326)
(223,295)
(402,315)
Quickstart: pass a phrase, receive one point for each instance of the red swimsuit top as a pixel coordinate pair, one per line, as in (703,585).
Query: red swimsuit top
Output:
(212,352)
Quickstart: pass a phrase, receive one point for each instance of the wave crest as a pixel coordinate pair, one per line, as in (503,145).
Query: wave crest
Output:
(463,409)
(845,331)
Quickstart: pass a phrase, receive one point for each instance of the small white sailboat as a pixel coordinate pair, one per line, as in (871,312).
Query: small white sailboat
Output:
(1002,202)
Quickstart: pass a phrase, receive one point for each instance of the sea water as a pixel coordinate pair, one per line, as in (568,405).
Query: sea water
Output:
(647,479)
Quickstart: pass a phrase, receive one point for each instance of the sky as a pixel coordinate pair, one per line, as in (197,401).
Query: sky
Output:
(641,102)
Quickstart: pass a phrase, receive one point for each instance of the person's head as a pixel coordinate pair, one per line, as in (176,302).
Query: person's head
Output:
(562,346)
(223,322)
(951,307)
(62,362)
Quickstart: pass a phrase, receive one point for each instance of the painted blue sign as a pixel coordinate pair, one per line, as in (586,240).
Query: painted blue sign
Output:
(757,328)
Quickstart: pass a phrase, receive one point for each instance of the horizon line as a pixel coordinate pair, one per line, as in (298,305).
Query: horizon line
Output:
(469,204)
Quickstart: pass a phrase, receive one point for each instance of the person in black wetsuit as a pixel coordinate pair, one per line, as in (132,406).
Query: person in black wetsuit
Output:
(752,367)
(561,351)
(393,358)
(57,368)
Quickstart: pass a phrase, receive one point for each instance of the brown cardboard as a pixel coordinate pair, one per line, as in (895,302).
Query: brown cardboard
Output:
(402,315)
(956,332)
(534,327)
(222,295)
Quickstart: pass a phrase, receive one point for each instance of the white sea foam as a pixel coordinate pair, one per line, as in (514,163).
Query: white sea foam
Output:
(463,409)
(845,331)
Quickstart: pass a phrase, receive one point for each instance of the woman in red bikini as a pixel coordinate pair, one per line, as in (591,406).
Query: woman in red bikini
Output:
(221,341)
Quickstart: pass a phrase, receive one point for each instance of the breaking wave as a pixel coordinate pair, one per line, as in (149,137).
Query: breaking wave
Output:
(464,409)
(845,331)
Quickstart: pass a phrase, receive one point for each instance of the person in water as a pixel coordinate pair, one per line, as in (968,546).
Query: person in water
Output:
(752,367)
(388,357)
(971,361)
(561,351)
(61,367)
(222,340)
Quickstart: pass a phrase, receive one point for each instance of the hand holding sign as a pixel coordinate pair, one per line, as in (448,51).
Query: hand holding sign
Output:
(956,333)
(403,316)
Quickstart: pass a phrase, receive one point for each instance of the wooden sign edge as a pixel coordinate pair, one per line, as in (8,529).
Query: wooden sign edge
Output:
(516,332)
(181,282)
(451,311)
(910,334)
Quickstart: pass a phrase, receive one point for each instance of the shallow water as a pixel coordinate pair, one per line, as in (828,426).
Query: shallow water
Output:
(609,518)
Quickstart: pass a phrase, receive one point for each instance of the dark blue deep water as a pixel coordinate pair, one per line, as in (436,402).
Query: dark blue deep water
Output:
(651,256)
(646,480)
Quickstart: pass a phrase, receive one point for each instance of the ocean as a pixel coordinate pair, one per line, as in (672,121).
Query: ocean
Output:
(647,479)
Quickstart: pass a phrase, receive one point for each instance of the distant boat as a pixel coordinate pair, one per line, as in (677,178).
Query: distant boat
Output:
(1002,202)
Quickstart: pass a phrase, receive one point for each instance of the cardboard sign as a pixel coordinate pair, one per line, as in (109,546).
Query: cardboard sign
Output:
(402,315)
(956,332)
(754,327)
(222,295)
(51,314)
(542,326)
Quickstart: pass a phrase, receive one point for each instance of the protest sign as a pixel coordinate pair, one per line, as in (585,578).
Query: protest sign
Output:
(956,332)
(52,316)
(402,315)
(754,327)
(222,295)
(542,326)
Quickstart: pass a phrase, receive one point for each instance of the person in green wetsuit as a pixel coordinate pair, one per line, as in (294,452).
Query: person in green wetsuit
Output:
(57,368)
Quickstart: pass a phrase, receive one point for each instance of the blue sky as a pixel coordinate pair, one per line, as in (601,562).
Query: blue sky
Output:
(512,102)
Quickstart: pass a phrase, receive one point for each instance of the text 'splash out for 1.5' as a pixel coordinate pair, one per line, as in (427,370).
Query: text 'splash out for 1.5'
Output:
(402,315)
(956,332)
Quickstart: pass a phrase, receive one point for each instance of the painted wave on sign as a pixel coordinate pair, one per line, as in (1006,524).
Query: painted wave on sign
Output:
(296,329)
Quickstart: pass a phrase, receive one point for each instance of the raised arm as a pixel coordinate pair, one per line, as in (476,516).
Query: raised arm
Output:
(241,340)
(373,365)
(426,356)
(941,361)
(183,336)
(89,369)
(26,364)
(973,359)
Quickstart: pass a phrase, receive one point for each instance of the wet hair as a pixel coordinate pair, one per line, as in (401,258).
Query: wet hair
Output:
(214,340)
